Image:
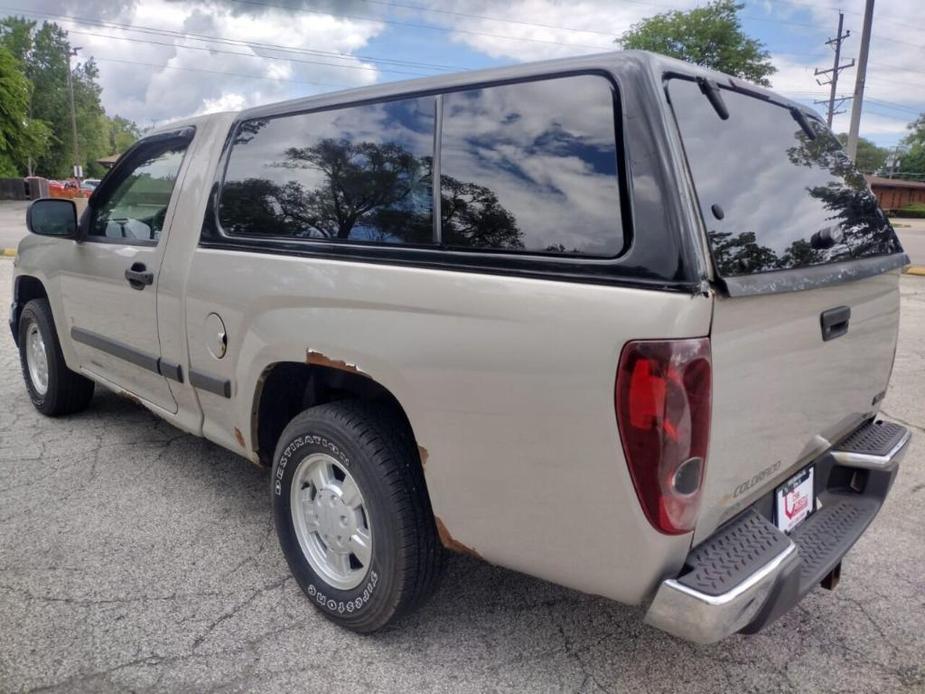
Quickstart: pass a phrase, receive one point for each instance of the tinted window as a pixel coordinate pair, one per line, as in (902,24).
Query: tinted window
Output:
(136,209)
(532,167)
(788,200)
(360,173)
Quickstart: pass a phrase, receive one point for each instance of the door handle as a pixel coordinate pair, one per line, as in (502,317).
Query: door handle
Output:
(139,276)
(834,322)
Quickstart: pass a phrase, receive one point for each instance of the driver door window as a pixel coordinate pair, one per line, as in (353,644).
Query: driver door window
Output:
(135,211)
(113,318)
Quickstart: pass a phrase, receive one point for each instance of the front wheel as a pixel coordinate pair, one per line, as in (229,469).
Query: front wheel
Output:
(352,514)
(53,388)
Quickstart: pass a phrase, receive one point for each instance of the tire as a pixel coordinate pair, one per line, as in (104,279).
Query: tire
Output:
(405,558)
(54,389)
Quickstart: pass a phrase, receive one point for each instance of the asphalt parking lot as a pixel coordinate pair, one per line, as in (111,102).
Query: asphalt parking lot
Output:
(137,558)
(912,236)
(12,222)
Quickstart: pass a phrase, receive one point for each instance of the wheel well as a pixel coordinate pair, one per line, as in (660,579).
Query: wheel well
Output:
(27,288)
(286,389)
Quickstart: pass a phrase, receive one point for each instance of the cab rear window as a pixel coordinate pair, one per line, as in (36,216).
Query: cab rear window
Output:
(775,193)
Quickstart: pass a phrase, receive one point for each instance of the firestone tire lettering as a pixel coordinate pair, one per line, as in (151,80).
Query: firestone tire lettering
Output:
(341,606)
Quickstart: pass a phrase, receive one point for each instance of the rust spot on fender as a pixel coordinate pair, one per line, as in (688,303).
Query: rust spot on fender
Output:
(319,359)
(239,437)
(422,452)
(451,543)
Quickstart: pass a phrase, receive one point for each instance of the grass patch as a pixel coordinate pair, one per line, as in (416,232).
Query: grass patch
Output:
(916,209)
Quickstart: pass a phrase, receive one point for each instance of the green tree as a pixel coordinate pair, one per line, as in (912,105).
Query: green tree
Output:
(122,134)
(92,122)
(21,138)
(710,36)
(870,157)
(912,164)
(46,65)
(43,52)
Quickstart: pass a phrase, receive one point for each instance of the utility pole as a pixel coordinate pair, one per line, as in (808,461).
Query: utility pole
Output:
(859,83)
(835,69)
(70,86)
(894,161)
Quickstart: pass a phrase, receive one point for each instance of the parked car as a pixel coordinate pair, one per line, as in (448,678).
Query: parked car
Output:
(617,321)
(69,188)
(89,184)
(56,188)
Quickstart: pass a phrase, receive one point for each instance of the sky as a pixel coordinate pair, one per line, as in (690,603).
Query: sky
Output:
(165,59)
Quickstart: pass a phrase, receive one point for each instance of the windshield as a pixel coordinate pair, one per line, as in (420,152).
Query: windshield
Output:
(773,197)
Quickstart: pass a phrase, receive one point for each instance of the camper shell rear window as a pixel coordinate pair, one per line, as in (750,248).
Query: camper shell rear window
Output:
(775,189)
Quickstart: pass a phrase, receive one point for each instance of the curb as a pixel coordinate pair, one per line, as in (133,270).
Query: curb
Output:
(8,252)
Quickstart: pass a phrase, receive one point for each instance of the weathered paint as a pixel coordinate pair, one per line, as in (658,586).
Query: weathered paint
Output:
(318,359)
(451,543)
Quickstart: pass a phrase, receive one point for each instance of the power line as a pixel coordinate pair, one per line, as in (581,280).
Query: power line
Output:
(237,42)
(903,21)
(668,8)
(340,85)
(293,49)
(207,49)
(299,50)
(425,26)
(281,48)
(470,15)
(895,106)
(637,2)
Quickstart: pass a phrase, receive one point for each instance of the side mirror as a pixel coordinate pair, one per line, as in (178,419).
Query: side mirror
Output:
(52,217)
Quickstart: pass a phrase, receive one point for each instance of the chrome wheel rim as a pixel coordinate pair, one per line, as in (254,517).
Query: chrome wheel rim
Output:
(37,359)
(331,521)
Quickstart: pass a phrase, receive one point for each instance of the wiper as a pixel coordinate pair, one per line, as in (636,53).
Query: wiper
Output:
(804,124)
(711,91)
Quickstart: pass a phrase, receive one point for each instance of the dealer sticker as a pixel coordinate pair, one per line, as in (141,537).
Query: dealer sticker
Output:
(794,500)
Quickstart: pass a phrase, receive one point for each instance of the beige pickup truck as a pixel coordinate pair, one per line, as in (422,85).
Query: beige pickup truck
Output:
(614,321)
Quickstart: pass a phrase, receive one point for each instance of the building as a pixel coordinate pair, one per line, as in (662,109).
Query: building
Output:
(894,193)
(108,162)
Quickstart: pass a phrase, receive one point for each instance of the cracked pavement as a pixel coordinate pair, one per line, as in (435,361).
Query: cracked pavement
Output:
(135,557)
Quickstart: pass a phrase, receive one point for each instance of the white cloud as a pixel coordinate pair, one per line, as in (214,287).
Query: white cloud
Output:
(231,101)
(163,76)
(896,76)
(156,75)
(540,29)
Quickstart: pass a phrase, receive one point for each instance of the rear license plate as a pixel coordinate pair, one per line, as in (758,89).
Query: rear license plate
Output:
(794,500)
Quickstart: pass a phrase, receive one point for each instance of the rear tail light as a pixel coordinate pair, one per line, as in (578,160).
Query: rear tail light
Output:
(662,401)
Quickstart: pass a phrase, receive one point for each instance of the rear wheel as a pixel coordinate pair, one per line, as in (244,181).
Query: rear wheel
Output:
(353,516)
(53,388)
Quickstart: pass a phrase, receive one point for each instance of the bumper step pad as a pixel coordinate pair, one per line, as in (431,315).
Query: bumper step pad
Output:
(824,538)
(875,438)
(733,554)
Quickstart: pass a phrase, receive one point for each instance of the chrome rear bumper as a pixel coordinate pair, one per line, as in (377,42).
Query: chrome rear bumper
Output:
(749,573)
(694,616)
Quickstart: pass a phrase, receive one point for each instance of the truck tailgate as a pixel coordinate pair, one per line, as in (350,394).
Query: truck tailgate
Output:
(807,309)
(781,394)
